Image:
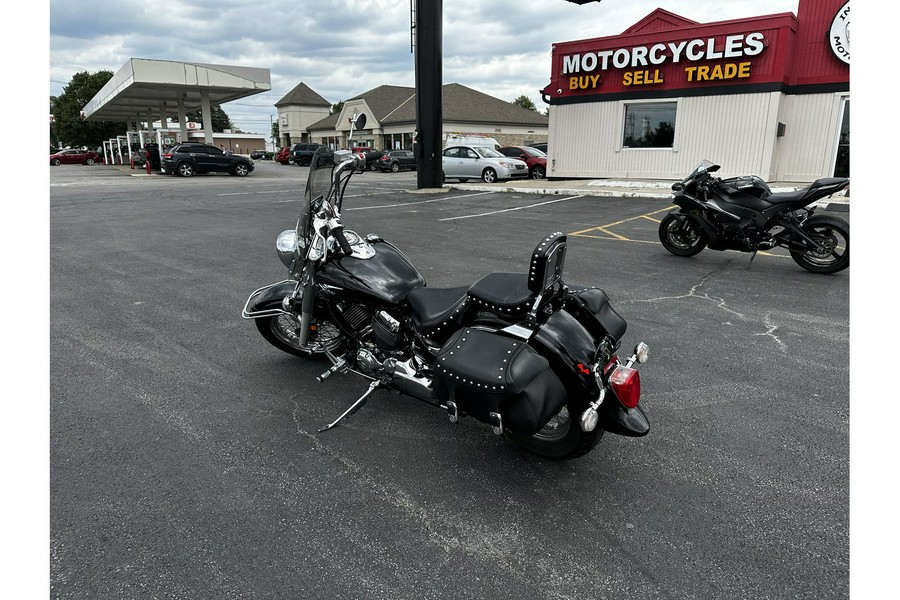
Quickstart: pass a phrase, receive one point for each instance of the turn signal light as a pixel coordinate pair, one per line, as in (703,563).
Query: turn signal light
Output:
(626,383)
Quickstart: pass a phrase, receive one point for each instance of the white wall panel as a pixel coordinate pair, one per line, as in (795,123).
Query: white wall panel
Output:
(737,131)
(806,152)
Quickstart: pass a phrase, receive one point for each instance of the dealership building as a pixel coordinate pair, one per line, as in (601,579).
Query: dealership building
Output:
(766,95)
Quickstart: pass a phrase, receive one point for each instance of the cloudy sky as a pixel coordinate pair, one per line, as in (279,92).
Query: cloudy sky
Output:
(341,48)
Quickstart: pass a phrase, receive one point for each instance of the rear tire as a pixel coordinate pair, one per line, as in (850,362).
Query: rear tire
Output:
(681,237)
(835,255)
(562,438)
(395,167)
(89,162)
(184,169)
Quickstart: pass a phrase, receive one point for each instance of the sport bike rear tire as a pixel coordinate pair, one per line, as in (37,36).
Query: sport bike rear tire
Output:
(562,438)
(835,256)
(682,237)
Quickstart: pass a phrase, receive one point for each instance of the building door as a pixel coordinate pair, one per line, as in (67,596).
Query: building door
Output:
(842,160)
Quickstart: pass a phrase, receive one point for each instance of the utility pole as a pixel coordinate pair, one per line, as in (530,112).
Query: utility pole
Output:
(427,41)
(427,32)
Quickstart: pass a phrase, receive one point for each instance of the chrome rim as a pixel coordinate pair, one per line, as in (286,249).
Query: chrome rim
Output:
(538,173)
(489,176)
(286,328)
(185,170)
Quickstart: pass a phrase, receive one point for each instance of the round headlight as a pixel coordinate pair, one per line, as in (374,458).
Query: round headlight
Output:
(286,246)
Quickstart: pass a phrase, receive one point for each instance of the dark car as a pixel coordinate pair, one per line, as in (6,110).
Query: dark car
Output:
(260,155)
(534,158)
(371,156)
(190,158)
(397,160)
(542,146)
(283,156)
(74,156)
(303,153)
(150,152)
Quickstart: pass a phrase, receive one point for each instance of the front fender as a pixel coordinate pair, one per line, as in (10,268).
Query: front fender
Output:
(265,295)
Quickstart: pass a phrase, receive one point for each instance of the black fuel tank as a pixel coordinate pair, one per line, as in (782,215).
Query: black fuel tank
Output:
(384,279)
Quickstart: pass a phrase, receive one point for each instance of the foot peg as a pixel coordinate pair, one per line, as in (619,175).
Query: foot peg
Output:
(497,423)
(337,364)
(355,406)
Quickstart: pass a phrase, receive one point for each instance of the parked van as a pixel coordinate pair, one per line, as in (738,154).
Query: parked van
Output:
(471,140)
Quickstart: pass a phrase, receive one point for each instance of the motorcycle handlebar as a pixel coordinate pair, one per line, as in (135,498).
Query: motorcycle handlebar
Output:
(338,233)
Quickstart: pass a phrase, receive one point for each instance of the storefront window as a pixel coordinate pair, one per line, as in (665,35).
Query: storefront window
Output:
(650,125)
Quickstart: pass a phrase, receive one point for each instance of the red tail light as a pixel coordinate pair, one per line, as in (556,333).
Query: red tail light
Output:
(167,155)
(626,383)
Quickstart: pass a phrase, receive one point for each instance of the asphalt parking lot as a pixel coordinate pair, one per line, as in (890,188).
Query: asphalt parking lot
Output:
(185,461)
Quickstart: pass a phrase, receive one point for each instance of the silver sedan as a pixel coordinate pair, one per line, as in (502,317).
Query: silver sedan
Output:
(476,162)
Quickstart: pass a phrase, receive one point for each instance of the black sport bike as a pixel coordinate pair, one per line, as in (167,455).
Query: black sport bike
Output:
(743,214)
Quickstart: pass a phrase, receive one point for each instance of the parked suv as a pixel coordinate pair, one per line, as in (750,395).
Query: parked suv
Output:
(187,159)
(283,156)
(396,160)
(303,153)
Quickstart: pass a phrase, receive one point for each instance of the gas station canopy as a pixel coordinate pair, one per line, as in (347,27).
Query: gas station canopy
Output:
(145,88)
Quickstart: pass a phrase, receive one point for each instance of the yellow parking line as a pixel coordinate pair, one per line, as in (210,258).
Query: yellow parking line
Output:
(604,229)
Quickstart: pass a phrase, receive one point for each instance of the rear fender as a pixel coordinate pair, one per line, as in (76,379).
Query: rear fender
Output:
(570,348)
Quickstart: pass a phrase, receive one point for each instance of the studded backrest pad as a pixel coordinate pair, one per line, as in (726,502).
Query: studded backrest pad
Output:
(547,262)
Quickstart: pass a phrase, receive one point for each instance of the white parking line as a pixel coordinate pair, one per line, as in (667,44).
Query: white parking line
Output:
(494,212)
(414,203)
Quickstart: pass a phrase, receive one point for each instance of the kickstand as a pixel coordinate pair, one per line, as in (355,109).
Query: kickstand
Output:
(355,406)
(752,256)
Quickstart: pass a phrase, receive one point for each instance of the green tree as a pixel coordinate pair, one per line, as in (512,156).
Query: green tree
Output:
(67,127)
(525,102)
(337,107)
(220,119)
(276,132)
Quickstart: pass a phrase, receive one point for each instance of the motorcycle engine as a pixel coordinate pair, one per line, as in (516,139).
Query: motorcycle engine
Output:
(387,331)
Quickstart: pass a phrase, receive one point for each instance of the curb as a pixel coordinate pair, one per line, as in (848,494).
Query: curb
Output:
(651,191)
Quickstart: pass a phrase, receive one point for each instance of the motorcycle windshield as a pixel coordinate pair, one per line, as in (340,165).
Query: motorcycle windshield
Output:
(318,185)
(703,167)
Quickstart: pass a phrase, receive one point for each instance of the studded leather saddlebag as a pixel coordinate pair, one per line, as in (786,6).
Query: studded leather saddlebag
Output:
(484,372)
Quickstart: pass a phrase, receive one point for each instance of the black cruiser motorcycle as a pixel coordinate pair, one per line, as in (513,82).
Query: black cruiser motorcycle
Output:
(742,213)
(524,353)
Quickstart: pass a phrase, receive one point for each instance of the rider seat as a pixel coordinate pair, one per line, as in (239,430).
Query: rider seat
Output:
(514,294)
(436,310)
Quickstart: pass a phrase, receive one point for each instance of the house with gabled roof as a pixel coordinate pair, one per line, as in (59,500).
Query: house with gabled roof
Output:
(297,110)
(391,119)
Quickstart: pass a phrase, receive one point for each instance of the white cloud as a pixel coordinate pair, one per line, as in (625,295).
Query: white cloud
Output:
(341,48)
